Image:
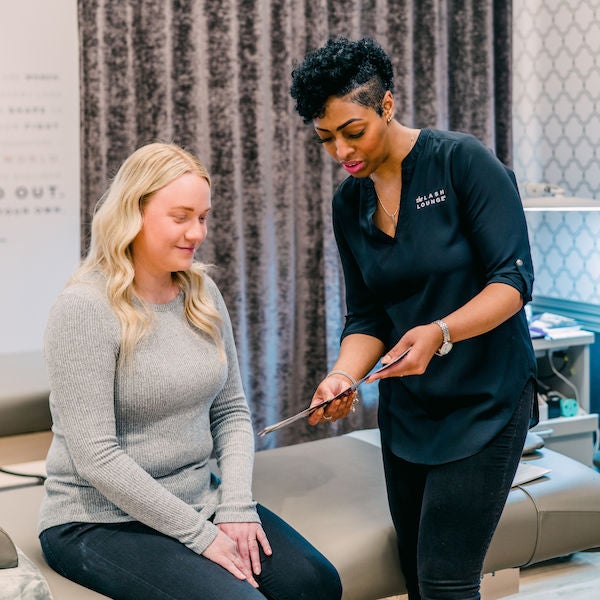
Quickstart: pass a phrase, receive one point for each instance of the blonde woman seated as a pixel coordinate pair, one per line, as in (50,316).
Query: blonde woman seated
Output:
(145,384)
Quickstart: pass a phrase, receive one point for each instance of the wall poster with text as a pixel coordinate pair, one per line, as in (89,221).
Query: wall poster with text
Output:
(39,164)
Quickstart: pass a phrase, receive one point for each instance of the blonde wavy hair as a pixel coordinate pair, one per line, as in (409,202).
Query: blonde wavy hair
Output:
(117,221)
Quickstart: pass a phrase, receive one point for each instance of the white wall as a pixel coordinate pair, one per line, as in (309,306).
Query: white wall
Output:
(39,178)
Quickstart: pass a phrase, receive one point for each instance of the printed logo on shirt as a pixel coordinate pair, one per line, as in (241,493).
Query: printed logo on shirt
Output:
(431,199)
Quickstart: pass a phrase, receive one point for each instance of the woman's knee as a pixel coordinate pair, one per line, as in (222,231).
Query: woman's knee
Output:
(330,581)
(296,568)
(311,577)
(322,582)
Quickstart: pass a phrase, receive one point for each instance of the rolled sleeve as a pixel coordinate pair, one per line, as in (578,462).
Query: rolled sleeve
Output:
(519,275)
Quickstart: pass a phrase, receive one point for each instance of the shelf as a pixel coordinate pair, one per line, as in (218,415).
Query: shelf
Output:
(560,203)
(579,338)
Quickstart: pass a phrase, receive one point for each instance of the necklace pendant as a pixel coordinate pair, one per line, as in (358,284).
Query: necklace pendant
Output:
(392,216)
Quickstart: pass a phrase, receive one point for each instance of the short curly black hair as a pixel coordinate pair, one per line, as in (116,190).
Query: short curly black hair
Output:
(338,68)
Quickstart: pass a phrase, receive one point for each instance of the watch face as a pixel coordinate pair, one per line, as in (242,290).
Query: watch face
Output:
(444,348)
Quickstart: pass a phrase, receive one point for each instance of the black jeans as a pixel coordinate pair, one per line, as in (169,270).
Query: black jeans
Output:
(129,561)
(445,515)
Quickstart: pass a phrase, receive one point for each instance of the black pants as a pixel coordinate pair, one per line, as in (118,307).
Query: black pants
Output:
(445,515)
(129,561)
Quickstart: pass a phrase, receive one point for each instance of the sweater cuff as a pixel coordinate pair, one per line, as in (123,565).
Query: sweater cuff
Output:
(205,538)
(237,514)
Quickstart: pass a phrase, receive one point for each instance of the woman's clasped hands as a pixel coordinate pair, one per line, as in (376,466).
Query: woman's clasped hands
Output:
(236,548)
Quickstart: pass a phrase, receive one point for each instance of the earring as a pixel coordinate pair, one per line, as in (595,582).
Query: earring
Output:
(389,118)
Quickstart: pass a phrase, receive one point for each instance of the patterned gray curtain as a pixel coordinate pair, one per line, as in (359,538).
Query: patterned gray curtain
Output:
(213,76)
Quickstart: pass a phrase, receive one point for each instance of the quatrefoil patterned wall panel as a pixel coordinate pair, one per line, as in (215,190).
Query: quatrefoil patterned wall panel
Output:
(556,133)
(565,248)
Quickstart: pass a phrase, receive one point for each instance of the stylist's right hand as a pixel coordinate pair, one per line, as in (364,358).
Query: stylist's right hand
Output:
(223,551)
(328,388)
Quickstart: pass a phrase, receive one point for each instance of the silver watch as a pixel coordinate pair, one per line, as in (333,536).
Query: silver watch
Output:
(446,344)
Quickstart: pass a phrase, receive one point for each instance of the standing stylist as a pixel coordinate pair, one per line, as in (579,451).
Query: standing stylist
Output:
(145,387)
(433,243)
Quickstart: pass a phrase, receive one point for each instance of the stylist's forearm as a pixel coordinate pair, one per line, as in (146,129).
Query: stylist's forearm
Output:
(358,354)
(496,303)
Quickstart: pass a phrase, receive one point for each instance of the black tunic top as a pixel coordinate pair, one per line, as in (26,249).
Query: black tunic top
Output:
(461,226)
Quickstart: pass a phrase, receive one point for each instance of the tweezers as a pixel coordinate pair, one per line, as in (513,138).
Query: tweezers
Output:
(343,394)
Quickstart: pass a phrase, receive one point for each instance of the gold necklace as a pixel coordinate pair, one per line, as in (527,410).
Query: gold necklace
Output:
(394,215)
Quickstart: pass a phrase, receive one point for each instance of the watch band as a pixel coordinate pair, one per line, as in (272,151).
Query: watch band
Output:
(446,345)
(445,330)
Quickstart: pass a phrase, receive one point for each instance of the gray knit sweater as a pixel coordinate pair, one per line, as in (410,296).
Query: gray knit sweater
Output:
(133,442)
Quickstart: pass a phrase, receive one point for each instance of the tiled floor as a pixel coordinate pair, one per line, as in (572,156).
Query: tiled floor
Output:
(576,577)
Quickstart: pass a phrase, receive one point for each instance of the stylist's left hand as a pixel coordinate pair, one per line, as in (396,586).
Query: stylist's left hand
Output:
(330,387)
(247,536)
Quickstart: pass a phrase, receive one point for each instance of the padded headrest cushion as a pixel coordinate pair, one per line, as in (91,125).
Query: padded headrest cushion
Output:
(533,442)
